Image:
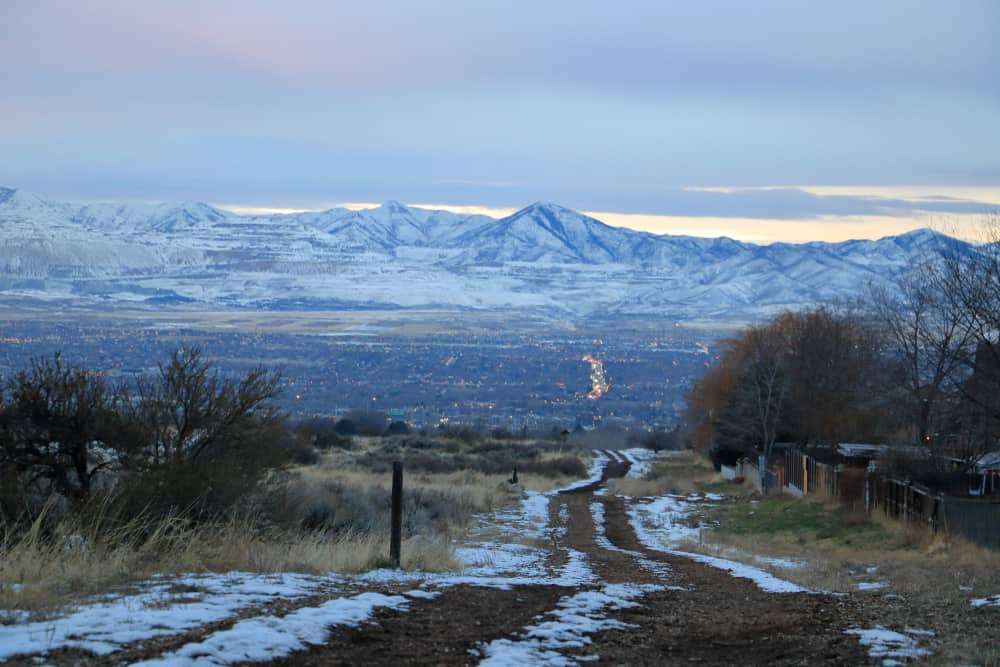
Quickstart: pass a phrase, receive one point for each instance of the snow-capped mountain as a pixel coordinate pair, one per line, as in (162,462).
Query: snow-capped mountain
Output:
(544,257)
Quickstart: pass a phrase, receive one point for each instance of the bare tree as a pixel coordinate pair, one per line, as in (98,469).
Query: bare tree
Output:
(188,411)
(56,426)
(929,336)
(969,282)
(757,402)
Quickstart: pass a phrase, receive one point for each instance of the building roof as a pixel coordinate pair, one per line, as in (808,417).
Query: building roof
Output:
(858,450)
(989,461)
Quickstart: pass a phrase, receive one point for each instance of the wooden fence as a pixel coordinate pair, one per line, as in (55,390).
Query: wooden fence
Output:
(805,476)
(975,519)
(905,501)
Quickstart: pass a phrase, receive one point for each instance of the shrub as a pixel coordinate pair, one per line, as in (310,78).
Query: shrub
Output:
(339,509)
(346,427)
(503,433)
(568,466)
(322,433)
(398,428)
(305,455)
(367,422)
(657,440)
(465,434)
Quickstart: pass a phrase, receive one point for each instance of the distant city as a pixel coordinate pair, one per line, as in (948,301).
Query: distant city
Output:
(625,377)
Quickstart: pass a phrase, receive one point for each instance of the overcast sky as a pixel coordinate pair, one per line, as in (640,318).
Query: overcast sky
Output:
(620,108)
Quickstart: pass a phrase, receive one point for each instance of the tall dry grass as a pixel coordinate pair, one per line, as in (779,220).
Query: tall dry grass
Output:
(57,559)
(679,472)
(42,568)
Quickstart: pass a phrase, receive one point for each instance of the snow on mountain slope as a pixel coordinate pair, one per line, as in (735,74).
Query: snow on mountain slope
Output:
(166,218)
(545,232)
(394,224)
(544,257)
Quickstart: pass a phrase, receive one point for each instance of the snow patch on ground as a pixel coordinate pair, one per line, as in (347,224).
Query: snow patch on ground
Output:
(526,519)
(265,638)
(576,571)
(575,618)
(419,594)
(502,566)
(659,524)
(601,539)
(594,474)
(494,559)
(871,585)
(165,607)
(486,556)
(890,645)
(781,563)
(992,601)
(663,521)
(765,580)
(641,460)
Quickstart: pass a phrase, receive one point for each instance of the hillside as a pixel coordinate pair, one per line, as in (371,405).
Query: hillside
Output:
(543,258)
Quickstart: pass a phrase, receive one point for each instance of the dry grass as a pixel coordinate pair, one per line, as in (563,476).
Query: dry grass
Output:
(42,571)
(475,489)
(929,582)
(837,548)
(55,560)
(455,496)
(680,472)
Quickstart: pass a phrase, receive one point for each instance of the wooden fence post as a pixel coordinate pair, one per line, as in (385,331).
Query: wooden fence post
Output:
(395,539)
(805,475)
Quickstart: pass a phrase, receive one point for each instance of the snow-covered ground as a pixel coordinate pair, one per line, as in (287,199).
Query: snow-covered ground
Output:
(502,552)
(163,607)
(263,638)
(780,563)
(663,524)
(641,460)
(891,646)
(871,585)
(575,618)
(594,473)
(601,539)
(992,601)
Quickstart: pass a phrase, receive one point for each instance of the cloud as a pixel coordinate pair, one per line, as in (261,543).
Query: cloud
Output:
(496,103)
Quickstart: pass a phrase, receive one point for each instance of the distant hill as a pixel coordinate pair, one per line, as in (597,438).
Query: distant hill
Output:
(545,258)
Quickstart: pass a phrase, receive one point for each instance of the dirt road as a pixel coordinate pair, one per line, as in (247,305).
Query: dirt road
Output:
(705,615)
(629,604)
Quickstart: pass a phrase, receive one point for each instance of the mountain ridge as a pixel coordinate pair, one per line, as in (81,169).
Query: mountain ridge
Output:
(542,257)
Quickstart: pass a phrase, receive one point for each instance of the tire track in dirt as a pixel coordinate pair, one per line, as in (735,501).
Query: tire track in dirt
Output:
(714,619)
(717,619)
(447,630)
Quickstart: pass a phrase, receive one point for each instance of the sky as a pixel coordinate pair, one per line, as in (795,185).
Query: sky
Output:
(766,120)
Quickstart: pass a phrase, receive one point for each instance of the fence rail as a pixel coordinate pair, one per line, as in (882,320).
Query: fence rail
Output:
(855,488)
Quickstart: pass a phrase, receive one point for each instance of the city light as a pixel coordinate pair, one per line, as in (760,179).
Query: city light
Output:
(598,378)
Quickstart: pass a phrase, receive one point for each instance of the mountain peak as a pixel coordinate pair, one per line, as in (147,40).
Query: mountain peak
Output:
(547,206)
(394,206)
(923,233)
(20,199)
